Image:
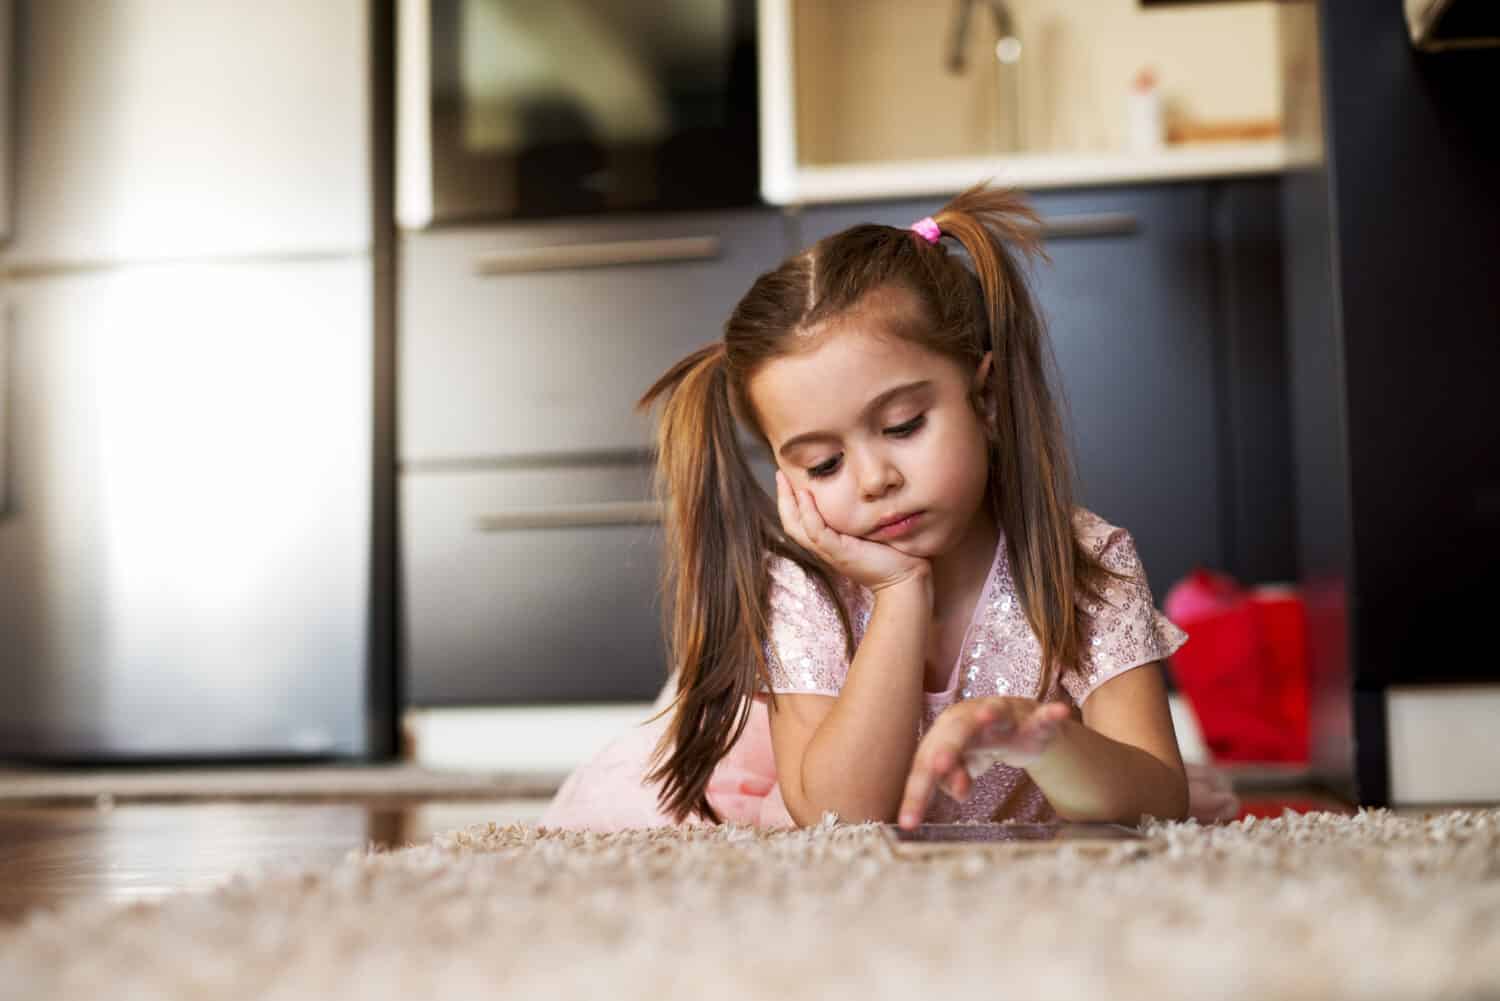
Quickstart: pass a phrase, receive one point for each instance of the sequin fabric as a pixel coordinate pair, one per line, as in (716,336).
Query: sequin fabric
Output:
(1000,654)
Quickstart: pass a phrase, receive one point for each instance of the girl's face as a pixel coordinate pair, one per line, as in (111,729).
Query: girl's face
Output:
(878,429)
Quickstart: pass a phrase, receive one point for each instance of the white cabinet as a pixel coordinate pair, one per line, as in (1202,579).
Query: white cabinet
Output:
(181,128)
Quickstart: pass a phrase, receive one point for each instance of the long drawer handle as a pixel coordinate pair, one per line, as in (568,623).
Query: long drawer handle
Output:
(598,255)
(1090,224)
(572,516)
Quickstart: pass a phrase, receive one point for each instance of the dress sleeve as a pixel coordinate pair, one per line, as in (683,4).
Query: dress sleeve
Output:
(805,648)
(1124,630)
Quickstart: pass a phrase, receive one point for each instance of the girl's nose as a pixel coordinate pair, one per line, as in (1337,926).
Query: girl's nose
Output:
(878,476)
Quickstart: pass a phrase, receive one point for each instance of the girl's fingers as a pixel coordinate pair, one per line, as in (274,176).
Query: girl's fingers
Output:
(965,742)
(812,521)
(1048,719)
(931,767)
(914,800)
(997,732)
(939,764)
(1013,739)
(800,518)
(786,502)
(786,507)
(1036,733)
(957,783)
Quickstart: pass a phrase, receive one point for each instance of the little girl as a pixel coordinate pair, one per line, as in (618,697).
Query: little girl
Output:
(922,625)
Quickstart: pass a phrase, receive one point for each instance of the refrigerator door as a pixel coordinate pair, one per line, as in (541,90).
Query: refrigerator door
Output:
(185,537)
(151,129)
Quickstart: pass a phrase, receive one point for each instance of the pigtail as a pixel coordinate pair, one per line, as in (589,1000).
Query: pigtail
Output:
(1031,472)
(719,525)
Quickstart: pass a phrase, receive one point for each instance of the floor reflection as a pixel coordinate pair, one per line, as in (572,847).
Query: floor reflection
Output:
(51,856)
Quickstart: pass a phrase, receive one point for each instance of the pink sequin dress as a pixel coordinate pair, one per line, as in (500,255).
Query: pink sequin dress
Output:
(999,655)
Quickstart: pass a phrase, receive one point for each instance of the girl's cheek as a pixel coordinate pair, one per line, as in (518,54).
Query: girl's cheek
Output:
(833,508)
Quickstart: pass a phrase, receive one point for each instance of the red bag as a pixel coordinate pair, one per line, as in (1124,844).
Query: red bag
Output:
(1244,667)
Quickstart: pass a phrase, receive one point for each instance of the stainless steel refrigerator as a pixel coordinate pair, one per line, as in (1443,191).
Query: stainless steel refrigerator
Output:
(187,383)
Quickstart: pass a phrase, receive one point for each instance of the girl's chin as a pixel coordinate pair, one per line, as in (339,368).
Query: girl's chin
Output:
(920,547)
(926,545)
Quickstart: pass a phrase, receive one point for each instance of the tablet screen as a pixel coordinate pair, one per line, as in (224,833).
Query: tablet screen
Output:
(988,833)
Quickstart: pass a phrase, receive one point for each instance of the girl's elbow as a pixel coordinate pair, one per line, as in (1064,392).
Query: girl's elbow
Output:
(1167,799)
(806,812)
(809,815)
(802,816)
(1178,802)
(803,811)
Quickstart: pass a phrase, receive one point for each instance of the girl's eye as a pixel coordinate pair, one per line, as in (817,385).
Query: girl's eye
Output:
(902,430)
(824,468)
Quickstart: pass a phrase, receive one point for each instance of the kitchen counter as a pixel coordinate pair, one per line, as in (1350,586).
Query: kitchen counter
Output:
(811,185)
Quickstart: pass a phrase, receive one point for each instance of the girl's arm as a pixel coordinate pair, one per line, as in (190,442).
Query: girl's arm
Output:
(1122,760)
(851,754)
(1119,763)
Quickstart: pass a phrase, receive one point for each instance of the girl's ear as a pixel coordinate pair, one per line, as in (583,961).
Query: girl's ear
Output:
(984,399)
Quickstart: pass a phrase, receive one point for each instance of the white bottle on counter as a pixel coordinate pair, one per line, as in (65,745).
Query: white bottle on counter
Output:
(1145,124)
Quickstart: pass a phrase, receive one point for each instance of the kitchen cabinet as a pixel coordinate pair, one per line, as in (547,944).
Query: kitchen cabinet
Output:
(515,594)
(533,585)
(1392,238)
(530,560)
(506,356)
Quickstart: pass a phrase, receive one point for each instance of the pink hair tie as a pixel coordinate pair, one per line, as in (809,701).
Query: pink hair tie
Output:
(927,229)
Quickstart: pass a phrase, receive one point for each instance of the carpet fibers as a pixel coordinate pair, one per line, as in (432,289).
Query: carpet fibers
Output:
(1376,905)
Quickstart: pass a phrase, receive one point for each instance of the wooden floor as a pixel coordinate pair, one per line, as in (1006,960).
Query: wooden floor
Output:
(55,855)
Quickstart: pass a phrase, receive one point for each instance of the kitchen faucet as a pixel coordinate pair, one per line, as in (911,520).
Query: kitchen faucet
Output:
(1004,29)
(1007,63)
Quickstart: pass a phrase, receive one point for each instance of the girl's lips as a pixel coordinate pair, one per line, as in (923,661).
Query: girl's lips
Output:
(896,529)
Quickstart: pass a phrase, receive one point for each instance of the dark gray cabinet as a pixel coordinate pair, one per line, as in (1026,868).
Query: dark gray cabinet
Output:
(525,341)
(1392,243)
(530,556)
(530,585)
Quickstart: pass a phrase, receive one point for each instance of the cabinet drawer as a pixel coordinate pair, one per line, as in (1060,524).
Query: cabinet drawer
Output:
(531,586)
(525,340)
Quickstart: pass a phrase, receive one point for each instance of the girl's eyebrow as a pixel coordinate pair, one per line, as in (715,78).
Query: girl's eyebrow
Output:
(869,408)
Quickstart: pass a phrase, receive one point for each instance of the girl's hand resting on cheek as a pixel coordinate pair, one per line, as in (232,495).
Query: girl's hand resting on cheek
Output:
(870,564)
(972,736)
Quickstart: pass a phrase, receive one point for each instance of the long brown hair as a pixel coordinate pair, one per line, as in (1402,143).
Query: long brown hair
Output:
(720,524)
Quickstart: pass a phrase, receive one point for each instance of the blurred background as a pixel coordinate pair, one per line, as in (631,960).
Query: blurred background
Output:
(322,325)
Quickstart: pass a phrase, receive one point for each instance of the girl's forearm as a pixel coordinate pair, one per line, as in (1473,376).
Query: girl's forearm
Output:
(857,762)
(1087,776)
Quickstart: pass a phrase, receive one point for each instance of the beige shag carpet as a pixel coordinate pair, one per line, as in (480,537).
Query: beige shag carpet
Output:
(1313,906)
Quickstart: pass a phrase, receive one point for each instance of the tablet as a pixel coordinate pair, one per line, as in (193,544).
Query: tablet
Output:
(927,838)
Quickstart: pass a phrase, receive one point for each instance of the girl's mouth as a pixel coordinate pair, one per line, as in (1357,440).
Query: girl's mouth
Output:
(896,529)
